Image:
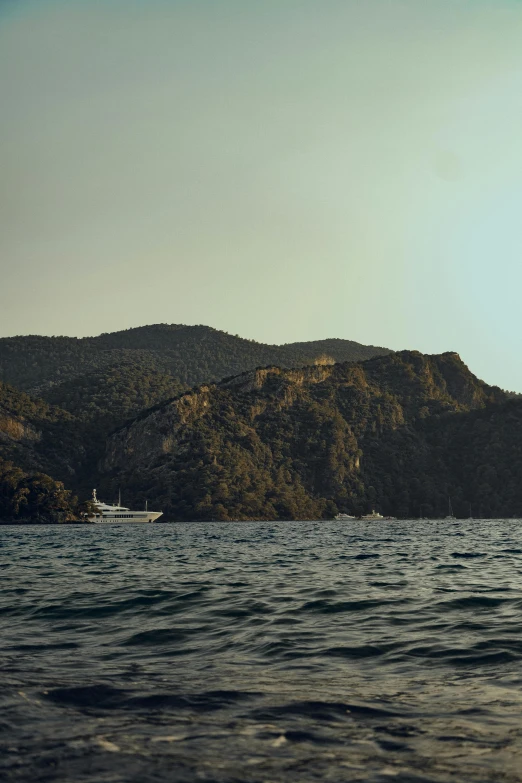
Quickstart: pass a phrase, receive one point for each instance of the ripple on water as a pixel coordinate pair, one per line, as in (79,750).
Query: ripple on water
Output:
(262,652)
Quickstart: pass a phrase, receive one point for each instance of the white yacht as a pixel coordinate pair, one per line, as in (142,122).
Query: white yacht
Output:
(343,517)
(119,515)
(373,516)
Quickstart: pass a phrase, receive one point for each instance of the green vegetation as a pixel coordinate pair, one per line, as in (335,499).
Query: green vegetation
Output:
(67,444)
(36,498)
(108,398)
(189,354)
(38,436)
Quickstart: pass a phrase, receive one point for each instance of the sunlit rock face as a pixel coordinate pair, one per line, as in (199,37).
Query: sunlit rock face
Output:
(15,429)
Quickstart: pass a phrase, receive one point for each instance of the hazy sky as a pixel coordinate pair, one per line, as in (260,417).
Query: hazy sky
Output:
(281,169)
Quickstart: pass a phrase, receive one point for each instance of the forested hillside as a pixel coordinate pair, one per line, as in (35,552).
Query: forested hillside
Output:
(67,440)
(38,436)
(400,433)
(105,398)
(37,439)
(188,354)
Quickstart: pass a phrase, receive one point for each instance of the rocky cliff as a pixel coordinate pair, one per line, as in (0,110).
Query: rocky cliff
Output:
(275,443)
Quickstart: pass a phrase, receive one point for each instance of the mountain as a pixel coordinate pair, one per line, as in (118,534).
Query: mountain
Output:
(400,432)
(44,366)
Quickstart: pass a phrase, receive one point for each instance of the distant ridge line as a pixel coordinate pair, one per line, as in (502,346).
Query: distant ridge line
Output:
(163,327)
(188,354)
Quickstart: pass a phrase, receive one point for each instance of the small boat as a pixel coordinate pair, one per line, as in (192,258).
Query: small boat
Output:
(120,515)
(343,517)
(451,515)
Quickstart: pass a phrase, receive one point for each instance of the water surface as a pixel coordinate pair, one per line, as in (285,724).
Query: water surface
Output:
(262,652)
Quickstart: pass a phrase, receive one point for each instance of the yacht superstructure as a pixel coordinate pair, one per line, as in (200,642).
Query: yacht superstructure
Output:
(376,517)
(120,515)
(373,517)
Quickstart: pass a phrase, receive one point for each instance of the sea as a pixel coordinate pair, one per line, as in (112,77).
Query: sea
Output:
(262,651)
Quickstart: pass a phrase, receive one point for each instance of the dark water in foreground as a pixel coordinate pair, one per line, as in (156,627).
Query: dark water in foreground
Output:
(262,652)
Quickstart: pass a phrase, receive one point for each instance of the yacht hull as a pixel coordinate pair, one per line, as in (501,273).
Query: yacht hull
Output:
(122,521)
(143,518)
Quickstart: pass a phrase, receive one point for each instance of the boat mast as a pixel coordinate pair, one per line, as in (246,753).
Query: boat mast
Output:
(119,497)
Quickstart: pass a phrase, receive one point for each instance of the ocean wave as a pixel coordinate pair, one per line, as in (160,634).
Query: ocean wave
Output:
(284,652)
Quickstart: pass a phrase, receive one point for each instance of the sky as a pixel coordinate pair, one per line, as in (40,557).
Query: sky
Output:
(284,170)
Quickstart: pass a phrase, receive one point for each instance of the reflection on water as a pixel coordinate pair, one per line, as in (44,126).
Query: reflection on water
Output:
(262,652)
